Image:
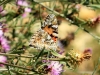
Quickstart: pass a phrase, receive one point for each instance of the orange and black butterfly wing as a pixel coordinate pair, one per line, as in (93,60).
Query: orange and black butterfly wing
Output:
(50,25)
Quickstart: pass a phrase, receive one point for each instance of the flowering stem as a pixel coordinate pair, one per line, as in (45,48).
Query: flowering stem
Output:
(25,56)
(51,10)
(96,37)
(96,67)
(16,66)
(16,55)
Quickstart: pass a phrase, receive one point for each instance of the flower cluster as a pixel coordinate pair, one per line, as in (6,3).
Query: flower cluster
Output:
(52,68)
(55,68)
(4,44)
(76,58)
(25,4)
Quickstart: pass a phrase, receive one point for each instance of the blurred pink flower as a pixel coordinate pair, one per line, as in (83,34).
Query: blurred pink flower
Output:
(26,11)
(26,4)
(3,40)
(22,3)
(4,44)
(1,31)
(3,59)
(24,14)
(3,13)
(55,68)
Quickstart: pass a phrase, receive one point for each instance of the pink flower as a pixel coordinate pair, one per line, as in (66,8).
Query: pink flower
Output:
(22,3)
(26,11)
(1,31)
(55,68)
(3,13)
(24,15)
(3,40)
(3,59)
(4,44)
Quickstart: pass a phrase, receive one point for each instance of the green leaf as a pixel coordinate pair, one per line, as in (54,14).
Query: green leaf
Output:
(57,54)
(40,53)
(94,6)
(38,58)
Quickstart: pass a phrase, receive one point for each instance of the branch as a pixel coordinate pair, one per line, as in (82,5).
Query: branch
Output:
(17,66)
(96,67)
(26,56)
(16,55)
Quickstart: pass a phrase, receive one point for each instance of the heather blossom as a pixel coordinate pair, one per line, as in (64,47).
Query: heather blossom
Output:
(22,3)
(4,44)
(55,68)
(26,11)
(1,31)
(3,59)
(3,40)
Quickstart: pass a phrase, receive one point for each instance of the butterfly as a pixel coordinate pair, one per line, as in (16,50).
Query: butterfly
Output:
(47,36)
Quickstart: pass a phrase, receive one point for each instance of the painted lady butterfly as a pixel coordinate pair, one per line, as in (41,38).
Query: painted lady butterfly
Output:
(47,36)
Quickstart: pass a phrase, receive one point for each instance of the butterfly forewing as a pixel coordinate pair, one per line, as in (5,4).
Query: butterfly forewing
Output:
(48,34)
